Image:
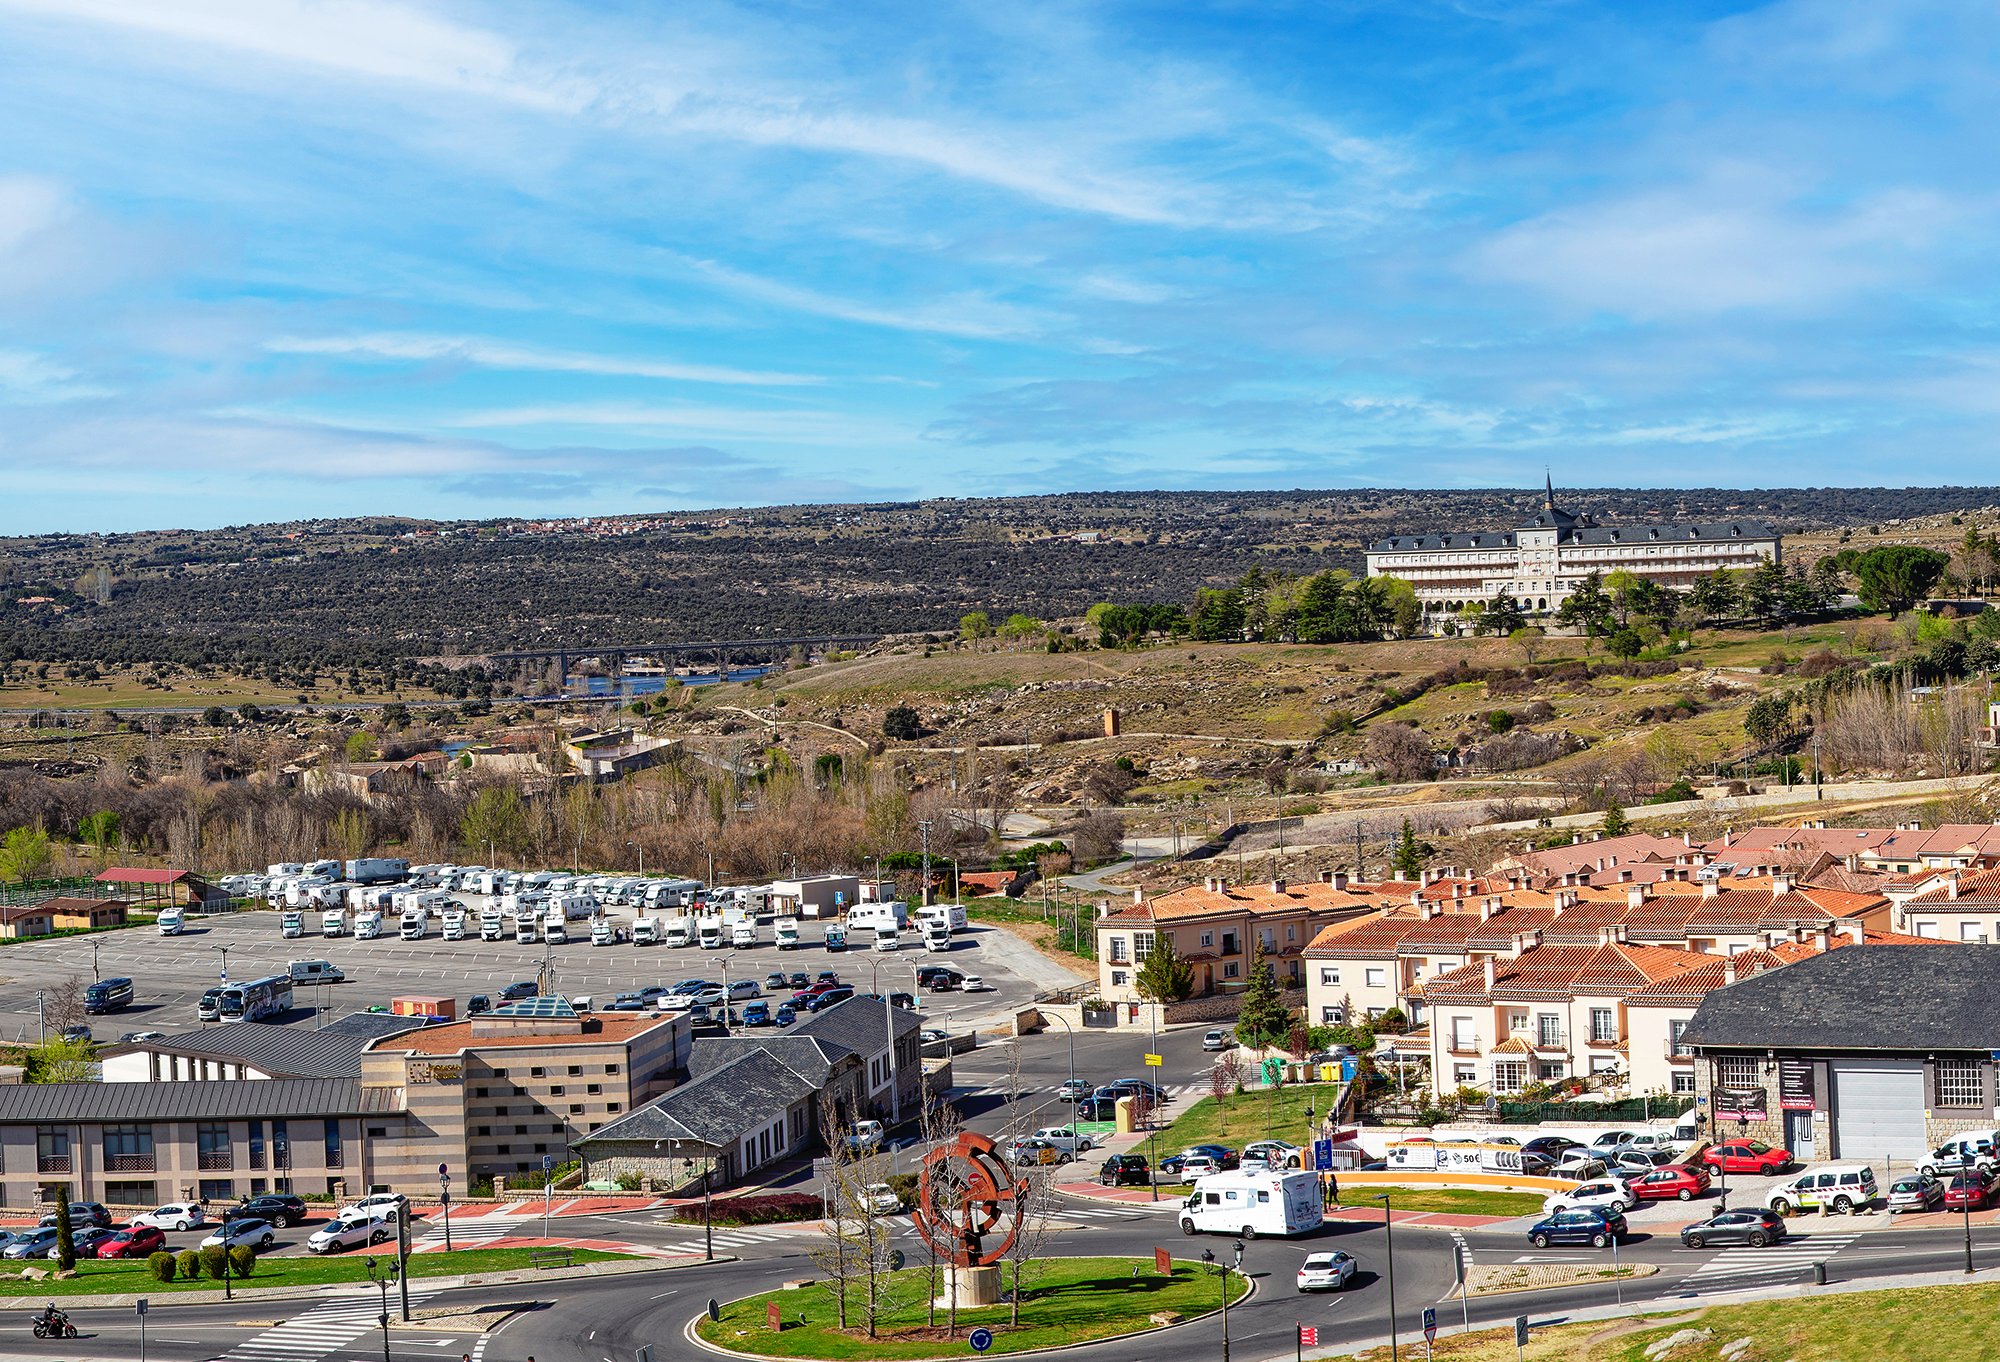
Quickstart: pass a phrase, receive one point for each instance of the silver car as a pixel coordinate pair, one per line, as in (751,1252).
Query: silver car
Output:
(38,1243)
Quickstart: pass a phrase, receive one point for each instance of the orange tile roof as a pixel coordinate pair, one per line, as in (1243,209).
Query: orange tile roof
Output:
(1563,969)
(1974,890)
(447,1040)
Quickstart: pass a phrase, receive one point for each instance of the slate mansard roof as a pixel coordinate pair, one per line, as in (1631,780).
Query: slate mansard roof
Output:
(1599,534)
(1885,998)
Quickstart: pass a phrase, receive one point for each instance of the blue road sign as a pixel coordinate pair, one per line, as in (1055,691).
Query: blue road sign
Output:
(548,1162)
(981,1340)
(1323,1155)
(1430,1324)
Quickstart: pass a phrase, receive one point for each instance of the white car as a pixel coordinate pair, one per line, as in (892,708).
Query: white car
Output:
(388,1205)
(242,1234)
(175,1215)
(350,1232)
(974,984)
(1605,1194)
(881,1199)
(1064,1138)
(1327,1272)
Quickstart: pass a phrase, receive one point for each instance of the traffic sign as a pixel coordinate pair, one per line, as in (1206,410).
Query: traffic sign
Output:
(140,1305)
(896,1260)
(645,1354)
(1430,1324)
(715,1309)
(1154,1060)
(1308,1335)
(548,1162)
(981,1340)
(1323,1156)
(1520,1331)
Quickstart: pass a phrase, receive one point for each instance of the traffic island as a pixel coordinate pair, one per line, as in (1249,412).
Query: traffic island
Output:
(1495,1281)
(1064,1301)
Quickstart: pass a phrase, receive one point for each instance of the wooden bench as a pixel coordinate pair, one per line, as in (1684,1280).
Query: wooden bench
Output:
(540,1258)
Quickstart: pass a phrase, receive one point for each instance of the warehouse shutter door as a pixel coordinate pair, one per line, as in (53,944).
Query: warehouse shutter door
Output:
(1878,1109)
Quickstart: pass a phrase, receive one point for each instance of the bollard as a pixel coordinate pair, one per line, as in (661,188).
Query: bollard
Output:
(1819,1274)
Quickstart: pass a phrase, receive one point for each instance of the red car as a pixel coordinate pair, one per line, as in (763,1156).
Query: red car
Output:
(1748,1156)
(1673,1180)
(1968,1189)
(136,1242)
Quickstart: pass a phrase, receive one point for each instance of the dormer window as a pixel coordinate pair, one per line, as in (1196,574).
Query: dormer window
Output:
(1614,536)
(1652,534)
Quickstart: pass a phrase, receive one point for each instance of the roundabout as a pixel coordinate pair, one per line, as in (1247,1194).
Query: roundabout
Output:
(1065,1302)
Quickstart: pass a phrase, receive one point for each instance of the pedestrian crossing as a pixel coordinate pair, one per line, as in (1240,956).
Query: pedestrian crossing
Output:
(1743,1268)
(474,1232)
(319,1331)
(1103,1215)
(731,1239)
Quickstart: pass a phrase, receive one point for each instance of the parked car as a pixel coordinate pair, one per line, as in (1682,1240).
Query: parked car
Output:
(1755,1228)
(524,988)
(1637,1161)
(1917,1192)
(87,1242)
(256,1234)
(744,988)
(785,1015)
(82,1213)
(1276,1153)
(972,983)
(78,1034)
(1836,1187)
(798,980)
(1038,1152)
(831,998)
(776,980)
(625,1002)
(175,1215)
(477,1004)
(1073,1090)
(1327,1271)
(757,1014)
(1967,1190)
(1610,1194)
(1684,1183)
(37,1243)
(930,1035)
(1192,1166)
(1123,1169)
(882,1199)
(1551,1147)
(389,1205)
(1065,1138)
(1222,1157)
(1222,1040)
(827,976)
(130,1036)
(277,1207)
(349,1232)
(711,998)
(1748,1156)
(1612,1139)
(653,993)
(1591,1225)
(136,1242)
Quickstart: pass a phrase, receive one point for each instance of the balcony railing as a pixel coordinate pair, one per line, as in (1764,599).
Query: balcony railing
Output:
(218,1162)
(1461,1045)
(1549,1040)
(128,1163)
(52,1163)
(1682,1053)
(333,1158)
(256,1158)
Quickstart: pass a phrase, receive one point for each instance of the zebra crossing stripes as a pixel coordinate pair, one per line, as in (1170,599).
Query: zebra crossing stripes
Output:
(471,1233)
(733,1239)
(1103,1215)
(319,1331)
(1743,1268)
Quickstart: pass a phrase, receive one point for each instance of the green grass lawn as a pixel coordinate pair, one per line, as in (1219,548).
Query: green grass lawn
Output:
(1453,1200)
(118,1276)
(1069,1300)
(1274,1114)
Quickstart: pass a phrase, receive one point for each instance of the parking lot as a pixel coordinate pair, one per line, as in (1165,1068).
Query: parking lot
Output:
(170,973)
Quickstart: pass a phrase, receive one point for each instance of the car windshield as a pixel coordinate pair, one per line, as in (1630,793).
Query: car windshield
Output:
(1907,1185)
(1756,1147)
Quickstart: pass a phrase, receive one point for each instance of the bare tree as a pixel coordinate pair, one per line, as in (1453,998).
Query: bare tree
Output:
(62,1006)
(1038,1208)
(843,1246)
(938,1124)
(1224,1076)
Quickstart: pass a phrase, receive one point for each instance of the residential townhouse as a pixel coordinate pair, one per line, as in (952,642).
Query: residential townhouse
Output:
(1951,905)
(1218,927)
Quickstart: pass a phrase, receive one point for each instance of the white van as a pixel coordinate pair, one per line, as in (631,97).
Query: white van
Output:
(367,926)
(315,972)
(788,933)
(1836,1187)
(1973,1147)
(171,921)
(1254,1203)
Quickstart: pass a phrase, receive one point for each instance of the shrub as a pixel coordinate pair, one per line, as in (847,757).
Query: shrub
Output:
(902,724)
(774,1209)
(243,1260)
(188,1264)
(213,1261)
(630,1181)
(161,1265)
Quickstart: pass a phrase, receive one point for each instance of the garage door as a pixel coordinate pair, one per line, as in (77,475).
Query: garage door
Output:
(1878,1109)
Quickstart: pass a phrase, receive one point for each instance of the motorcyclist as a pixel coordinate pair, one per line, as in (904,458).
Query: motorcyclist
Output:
(53,1319)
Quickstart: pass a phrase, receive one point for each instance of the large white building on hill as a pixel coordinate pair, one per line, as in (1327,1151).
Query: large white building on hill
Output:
(1541,562)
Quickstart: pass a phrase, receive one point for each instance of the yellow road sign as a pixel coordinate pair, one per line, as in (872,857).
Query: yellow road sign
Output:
(1153,1059)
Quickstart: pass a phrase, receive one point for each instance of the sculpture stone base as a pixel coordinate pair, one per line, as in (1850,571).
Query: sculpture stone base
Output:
(967,1287)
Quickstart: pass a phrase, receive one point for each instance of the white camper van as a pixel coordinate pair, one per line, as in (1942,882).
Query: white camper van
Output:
(1253,1203)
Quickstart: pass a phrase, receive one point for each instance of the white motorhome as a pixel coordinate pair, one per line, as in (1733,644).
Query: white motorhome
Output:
(293,923)
(711,933)
(416,924)
(284,868)
(951,914)
(574,907)
(895,913)
(646,931)
(788,933)
(554,930)
(454,927)
(1253,1203)
(374,870)
(362,897)
(333,923)
(171,921)
(368,925)
(492,927)
(602,933)
(887,938)
(329,870)
(743,935)
(937,935)
(672,893)
(677,932)
(527,931)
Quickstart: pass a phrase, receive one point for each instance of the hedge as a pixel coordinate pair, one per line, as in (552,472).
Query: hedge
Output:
(754,1210)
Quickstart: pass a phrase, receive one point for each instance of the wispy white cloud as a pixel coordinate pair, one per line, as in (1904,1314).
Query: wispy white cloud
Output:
(970,314)
(501,355)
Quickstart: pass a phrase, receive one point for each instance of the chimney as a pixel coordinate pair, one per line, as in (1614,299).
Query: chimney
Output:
(1603,936)
(1138,896)
(1432,910)
(1618,932)
(1728,971)
(1780,885)
(1485,909)
(1278,885)
(1951,886)
(1825,935)
(1635,897)
(1687,839)
(1725,838)
(1488,962)
(1339,880)
(1710,888)
(1576,839)
(1853,863)
(1567,900)
(1562,902)
(1600,863)
(1857,933)
(1399,874)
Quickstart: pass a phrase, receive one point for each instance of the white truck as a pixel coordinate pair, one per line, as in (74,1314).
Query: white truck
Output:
(416,923)
(937,935)
(601,932)
(678,932)
(376,870)
(492,926)
(293,923)
(887,938)
(646,931)
(743,935)
(710,929)
(788,933)
(1253,1203)
(555,929)
(368,925)
(333,922)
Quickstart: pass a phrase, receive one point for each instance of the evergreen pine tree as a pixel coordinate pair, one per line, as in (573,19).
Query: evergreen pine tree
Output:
(1163,976)
(1616,824)
(1409,857)
(65,1235)
(1264,1018)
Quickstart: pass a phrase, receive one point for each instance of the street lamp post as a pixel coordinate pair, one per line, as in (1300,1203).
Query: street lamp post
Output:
(889,1024)
(225,962)
(642,857)
(924,830)
(444,1202)
(1072,1052)
(383,1283)
(95,947)
(1389,1257)
(723,961)
(227,1212)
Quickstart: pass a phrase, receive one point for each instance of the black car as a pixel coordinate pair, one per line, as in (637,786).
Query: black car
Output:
(829,998)
(526,988)
(827,976)
(1753,1227)
(905,1001)
(1578,1225)
(1550,1147)
(88,1241)
(1121,1169)
(277,1208)
(799,980)
(938,978)
(477,1004)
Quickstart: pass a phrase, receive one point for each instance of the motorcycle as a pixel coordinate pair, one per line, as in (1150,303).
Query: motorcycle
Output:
(59,1327)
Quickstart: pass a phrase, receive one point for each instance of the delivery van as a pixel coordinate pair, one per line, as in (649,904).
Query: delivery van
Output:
(1253,1203)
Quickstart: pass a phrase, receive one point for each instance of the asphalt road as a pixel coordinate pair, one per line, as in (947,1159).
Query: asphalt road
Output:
(170,973)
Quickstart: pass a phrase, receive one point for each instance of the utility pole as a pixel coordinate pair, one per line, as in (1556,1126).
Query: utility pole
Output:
(924,829)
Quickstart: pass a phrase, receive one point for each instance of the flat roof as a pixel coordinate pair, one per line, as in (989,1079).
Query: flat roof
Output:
(457,1036)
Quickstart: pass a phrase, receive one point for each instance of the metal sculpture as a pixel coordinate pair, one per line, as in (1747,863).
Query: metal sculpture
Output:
(964,1191)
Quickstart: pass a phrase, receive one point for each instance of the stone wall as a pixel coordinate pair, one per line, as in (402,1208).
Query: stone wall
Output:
(1221,1007)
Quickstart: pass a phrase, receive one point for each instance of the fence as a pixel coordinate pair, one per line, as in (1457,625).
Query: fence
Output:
(1599,1113)
(28,893)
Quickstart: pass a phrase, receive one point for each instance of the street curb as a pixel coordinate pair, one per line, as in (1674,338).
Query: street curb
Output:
(1681,1305)
(342,1290)
(688,1331)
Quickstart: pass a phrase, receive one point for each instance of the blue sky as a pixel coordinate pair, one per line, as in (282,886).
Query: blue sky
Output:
(263,259)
